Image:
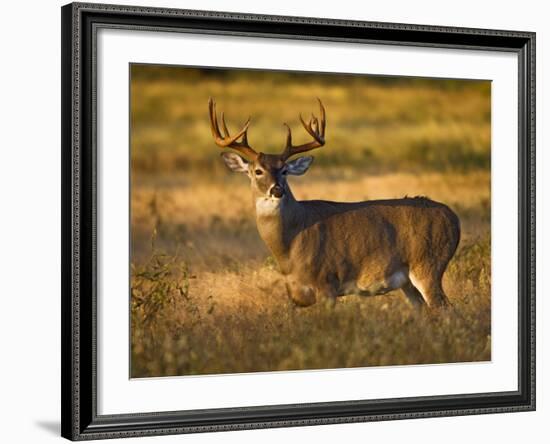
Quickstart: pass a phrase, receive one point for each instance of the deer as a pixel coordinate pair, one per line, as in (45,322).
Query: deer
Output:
(326,249)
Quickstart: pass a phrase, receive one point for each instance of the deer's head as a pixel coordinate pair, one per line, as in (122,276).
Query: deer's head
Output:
(267,172)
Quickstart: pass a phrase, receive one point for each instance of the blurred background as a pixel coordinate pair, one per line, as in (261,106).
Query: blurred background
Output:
(378,124)
(206,295)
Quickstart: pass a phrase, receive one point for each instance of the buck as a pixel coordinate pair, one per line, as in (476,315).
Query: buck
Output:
(330,249)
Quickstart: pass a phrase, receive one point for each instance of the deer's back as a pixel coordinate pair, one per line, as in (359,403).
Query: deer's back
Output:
(379,233)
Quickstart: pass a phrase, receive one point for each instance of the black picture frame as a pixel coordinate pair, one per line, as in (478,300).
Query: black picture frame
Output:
(78,333)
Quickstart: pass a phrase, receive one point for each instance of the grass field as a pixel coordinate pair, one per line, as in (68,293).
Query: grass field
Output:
(206,295)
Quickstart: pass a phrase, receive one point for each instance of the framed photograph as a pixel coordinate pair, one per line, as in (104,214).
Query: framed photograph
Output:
(281,221)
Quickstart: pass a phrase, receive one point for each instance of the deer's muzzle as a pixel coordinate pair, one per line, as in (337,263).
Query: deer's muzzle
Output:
(276,191)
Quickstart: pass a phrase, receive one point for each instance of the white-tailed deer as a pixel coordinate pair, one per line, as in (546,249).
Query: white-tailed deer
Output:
(329,249)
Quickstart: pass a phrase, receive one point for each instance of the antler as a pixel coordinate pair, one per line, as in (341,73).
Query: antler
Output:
(229,141)
(315,128)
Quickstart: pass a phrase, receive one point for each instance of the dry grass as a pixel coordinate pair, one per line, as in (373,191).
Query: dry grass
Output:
(375,123)
(225,309)
(206,295)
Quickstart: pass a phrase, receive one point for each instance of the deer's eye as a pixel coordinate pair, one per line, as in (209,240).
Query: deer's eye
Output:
(258,172)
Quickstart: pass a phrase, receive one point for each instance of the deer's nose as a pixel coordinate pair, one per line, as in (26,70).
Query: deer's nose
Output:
(276,191)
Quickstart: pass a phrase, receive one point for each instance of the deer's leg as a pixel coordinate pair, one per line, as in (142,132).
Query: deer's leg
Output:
(429,284)
(437,295)
(301,295)
(413,295)
(327,295)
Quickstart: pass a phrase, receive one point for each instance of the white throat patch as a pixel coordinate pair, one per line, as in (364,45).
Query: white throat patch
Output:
(266,206)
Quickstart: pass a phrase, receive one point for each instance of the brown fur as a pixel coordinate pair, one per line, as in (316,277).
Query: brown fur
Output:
(329,249)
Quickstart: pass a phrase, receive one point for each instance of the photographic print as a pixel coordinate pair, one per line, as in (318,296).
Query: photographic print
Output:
(285,221)
(299,234)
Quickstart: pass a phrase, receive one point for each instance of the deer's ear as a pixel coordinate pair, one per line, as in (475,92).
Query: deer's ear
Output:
(299,166)
(235,162)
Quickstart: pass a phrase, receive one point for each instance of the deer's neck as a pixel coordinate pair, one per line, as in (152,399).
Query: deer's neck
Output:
(278,223)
